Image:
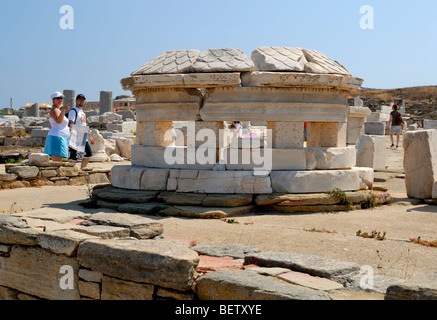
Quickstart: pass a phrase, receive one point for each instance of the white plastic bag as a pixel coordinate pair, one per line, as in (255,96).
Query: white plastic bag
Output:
(79,137)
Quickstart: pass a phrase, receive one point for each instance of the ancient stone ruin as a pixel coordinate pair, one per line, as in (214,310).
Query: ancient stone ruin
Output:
(281,87)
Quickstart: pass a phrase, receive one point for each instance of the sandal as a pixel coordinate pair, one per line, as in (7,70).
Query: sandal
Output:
(392,146)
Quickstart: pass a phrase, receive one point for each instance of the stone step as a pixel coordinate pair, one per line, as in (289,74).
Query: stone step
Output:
(200,205)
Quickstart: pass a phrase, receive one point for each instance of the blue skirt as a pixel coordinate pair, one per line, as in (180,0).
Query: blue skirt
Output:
(56,146)
(396,129)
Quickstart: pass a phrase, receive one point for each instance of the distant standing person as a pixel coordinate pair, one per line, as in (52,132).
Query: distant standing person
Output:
(396,125)
(58,137)
(77,116)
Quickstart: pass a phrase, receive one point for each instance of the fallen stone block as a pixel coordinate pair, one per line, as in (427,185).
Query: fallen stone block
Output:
(168,264)
(245,285)
(313,265)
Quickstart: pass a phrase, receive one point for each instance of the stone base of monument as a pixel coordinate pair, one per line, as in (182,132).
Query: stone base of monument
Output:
(219,206)
(240,181)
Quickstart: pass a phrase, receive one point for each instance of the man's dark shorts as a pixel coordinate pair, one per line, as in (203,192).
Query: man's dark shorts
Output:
(88,152)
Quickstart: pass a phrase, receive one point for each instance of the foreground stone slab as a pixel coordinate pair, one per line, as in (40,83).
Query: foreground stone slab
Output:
(38,272)
(15,230)
(103,232)
(140,227)
(305,280)
(54,214)
(313,265)
(236,251)
(423,288)
(62,241)
(245,285)
(169,264)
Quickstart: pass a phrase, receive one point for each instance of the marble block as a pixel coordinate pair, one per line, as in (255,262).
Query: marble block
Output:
(168,104)
(222,60)
(175,61)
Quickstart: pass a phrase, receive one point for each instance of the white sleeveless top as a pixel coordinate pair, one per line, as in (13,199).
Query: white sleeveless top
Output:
(59,130)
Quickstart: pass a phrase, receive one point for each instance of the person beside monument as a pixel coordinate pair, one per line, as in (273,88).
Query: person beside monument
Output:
(77,117)
(58,137)
(396,125)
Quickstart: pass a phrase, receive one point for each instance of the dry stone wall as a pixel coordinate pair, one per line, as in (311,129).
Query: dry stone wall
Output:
(38,170)
(60,255)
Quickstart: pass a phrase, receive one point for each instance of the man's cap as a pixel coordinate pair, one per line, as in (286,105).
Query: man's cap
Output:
(57,95)
(80,96)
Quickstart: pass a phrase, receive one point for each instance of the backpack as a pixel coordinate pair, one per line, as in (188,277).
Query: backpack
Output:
(68,113)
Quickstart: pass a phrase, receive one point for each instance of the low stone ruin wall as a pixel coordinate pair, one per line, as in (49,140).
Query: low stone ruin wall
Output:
(39,171)
(63,255)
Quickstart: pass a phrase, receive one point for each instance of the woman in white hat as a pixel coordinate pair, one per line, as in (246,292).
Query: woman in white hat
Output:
(59,134)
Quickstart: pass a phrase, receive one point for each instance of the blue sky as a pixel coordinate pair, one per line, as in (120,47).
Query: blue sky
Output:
(112,38)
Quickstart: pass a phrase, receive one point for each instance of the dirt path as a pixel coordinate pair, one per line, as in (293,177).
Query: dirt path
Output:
(397,256)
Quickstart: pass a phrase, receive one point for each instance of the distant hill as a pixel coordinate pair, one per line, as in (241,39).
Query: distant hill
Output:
(410,94)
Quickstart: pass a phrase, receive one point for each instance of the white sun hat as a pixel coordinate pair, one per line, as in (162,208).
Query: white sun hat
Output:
(57,95)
